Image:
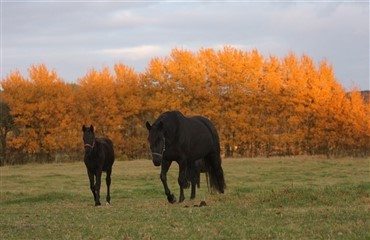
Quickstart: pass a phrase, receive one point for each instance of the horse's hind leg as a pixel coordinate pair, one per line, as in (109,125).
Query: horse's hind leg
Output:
(194,179)
(182,179)
(108,180)
(193,187)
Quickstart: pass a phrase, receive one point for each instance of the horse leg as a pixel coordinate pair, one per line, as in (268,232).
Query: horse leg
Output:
(97,187)
(193,189)
(91,180)
(182,180)
(195,181)
(108,181)
(164,169)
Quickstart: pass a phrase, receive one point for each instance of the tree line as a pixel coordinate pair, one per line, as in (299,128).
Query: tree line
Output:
(261,106)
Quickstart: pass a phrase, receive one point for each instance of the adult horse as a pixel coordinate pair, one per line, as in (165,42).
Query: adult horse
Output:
(99,157)
(174,137)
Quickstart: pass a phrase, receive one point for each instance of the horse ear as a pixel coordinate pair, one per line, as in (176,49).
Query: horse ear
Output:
(148,125)
(160,126)
(91,128)
(83,128)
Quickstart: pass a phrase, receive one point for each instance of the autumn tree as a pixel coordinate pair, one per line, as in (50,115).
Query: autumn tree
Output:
(96,104)
(39,108)
(260,105)
(269,105)
(356,126)
(129,93)
(6,125)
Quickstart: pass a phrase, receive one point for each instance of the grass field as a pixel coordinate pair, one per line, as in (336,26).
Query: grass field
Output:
(276,198)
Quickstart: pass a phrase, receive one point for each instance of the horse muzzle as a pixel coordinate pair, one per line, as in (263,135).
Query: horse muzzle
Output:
(157,163)
(157,159)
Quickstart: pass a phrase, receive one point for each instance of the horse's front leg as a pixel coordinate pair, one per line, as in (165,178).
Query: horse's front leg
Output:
(164,169)
(91,180)
(97,187)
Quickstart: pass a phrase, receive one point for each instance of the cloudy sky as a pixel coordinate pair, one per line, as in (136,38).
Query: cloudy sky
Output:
(72,37)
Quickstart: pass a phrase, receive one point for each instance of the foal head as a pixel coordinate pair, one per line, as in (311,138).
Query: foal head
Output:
(88,138)
(157,142)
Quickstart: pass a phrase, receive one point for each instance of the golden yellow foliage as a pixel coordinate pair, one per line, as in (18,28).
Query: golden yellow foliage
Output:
(39,106)
(261,106)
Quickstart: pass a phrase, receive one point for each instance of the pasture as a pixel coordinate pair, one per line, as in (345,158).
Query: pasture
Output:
(276,198)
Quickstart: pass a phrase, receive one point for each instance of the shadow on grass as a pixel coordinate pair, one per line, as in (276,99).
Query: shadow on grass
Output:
(43,198)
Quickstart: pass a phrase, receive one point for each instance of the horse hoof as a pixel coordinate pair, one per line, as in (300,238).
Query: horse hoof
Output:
(107,204)
(171,198)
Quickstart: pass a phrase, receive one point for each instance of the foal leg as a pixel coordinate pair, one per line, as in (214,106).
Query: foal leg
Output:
(108,180)
(97,187)
(91,180)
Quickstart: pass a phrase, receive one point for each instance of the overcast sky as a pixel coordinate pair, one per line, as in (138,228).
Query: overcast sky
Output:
(73,37)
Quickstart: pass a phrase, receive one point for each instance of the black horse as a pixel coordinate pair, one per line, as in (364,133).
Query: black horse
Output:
(174,137)
(99,157)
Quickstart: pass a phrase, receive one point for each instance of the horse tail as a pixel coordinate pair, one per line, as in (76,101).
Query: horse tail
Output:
(214,172)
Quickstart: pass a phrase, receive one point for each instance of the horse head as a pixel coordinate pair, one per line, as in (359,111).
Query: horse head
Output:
(157,141)
(88,138)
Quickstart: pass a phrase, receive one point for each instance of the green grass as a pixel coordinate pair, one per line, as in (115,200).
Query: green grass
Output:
(276,198)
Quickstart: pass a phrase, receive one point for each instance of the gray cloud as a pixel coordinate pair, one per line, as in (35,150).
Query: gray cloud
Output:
(75,37)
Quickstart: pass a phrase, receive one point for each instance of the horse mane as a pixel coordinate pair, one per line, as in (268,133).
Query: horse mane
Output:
(168,115)
(170,120)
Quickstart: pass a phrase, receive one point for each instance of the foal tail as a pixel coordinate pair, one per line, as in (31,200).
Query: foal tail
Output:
(214,172)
